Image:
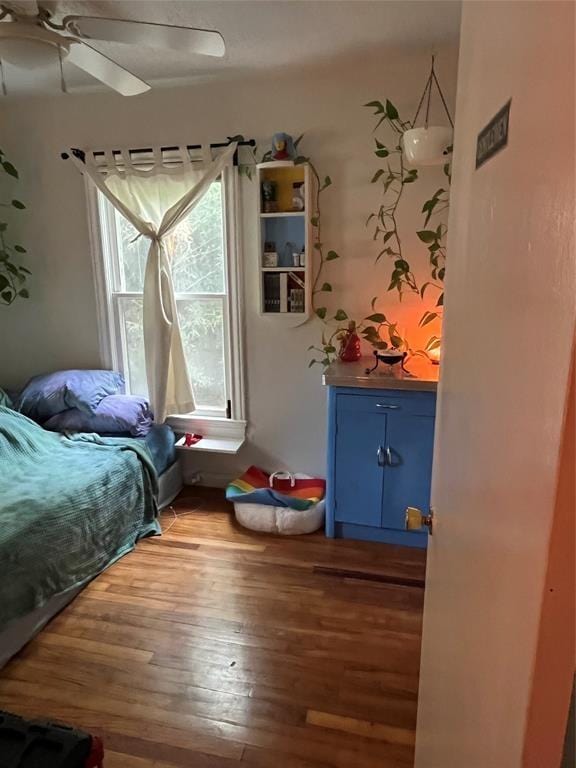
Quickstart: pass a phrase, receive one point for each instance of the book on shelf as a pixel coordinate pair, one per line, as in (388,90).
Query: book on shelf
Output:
(271,292)
(296,300)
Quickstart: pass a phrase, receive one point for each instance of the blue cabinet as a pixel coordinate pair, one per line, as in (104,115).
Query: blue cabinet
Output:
(379,462)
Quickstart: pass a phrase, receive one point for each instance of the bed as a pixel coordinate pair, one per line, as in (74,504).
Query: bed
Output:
(70,506)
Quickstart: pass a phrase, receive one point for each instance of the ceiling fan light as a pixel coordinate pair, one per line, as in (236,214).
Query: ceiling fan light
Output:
(30,47)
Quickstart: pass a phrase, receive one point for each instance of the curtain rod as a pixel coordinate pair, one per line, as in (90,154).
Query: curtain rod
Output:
(81,155)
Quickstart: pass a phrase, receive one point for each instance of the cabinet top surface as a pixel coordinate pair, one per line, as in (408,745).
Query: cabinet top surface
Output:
(422,376)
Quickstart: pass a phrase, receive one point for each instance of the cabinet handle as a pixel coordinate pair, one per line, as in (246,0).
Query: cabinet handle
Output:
(388,456)
(389,407)
(380,456)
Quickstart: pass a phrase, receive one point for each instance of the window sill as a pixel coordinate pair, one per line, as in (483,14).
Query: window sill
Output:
(212,445)
(219,435)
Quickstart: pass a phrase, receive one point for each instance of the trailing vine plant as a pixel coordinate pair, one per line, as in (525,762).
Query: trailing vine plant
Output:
(12,275)
(394,178)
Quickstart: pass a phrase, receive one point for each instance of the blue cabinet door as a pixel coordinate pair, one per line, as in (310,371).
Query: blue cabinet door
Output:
(407,477)
(358,467)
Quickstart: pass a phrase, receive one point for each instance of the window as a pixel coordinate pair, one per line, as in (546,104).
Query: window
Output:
(204,271)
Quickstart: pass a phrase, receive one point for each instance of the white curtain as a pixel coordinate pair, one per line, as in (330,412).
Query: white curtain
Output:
(155,200)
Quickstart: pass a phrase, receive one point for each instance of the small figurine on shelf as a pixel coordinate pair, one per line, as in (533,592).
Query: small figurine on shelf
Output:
(282,147)
(269,202)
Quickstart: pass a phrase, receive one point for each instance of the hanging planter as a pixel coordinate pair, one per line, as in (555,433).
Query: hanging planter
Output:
(430,144)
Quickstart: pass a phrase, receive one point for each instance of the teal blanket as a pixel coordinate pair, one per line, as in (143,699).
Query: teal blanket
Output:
(69,508)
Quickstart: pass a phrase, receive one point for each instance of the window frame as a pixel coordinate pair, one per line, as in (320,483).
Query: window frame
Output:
(105,263)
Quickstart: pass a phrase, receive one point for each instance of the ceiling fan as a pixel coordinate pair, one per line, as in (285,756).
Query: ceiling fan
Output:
(30,38)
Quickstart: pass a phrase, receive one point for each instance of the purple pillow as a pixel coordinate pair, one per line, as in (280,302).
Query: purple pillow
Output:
(51,393)
(113,414)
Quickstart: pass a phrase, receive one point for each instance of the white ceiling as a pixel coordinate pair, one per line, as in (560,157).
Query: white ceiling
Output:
(260,35)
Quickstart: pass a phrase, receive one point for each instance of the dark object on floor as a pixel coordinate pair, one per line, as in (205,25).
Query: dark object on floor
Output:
(41,744)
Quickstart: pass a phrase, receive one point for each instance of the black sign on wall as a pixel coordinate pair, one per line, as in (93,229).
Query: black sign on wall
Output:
(494,136)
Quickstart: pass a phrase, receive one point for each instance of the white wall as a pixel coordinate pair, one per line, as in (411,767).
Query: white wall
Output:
(286,402)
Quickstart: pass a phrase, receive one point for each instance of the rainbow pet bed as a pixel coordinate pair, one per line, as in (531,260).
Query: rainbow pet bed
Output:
(282,502)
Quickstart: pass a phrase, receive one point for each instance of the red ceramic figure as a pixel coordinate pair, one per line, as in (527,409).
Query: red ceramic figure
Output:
(350,345)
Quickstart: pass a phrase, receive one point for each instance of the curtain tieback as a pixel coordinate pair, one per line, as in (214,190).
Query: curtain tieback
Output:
(152,236)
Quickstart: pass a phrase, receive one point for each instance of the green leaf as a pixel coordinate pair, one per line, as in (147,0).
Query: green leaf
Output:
(298,140)
(379,144)
(402,265)
(318,246)
(369,219)
(423,289)
(377,175)
(373,302)
(18,204)
(381,153)
(4,282)
(7,296)
(441,273)
(9,168)
(433,343)
(321,312)
(24,293)
(380,344)
(340,315)
(326,287)
(3,226)
(440,302)
(11,268)
(427,235)
(388,235)
(427,317)
(331,255)
(329,349)
(26,271)
(4,255)
(377,317)
(377,105)
(20,249)
(327,182)
(391,110)
(312,362)
(314,221)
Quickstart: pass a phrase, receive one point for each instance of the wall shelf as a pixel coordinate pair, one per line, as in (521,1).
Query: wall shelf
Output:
(285,290)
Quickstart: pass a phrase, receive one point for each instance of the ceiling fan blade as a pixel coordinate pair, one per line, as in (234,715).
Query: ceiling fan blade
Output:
(104,69)
(202,41)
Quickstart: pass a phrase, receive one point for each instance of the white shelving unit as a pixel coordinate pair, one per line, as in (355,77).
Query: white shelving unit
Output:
(290,231)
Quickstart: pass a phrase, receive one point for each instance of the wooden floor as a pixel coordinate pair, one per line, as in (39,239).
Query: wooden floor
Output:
(212,647)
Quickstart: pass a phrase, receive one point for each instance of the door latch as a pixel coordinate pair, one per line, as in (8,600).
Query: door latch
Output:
(415,519)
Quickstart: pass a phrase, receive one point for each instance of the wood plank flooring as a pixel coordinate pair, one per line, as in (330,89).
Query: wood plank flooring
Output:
(213,647)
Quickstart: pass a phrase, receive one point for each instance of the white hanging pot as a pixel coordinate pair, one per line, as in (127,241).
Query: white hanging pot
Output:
(427,146)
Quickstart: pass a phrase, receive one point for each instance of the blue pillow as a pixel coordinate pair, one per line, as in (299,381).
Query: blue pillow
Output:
(51,393)
(115,414)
